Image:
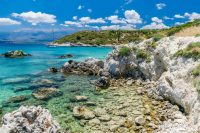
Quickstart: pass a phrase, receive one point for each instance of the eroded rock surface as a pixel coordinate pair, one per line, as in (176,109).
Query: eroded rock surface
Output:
(29,120)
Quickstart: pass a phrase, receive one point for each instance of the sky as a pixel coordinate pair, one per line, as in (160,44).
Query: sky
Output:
(74,15)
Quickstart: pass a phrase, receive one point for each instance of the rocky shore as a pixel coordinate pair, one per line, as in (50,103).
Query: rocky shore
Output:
(76,45)
(147,87)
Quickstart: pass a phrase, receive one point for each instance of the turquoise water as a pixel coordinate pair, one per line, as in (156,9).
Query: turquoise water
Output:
(25,72)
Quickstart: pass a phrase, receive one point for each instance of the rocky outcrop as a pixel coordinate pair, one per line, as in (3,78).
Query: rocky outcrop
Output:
(29,120)
(172,74)
(90,66)
(15,54)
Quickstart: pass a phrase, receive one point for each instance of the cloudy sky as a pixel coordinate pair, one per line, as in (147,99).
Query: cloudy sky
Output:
(20,15)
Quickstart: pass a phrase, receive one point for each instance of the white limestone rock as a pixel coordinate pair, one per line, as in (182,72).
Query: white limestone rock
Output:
(29,120)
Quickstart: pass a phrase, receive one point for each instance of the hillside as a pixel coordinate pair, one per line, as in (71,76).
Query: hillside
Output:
(124,36)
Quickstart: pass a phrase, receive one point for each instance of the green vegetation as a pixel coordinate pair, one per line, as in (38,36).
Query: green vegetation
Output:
(196,71)
(124,51)
(122,36)
(157,37)
(192,51)
(197,35)
(152,45)
(141,53)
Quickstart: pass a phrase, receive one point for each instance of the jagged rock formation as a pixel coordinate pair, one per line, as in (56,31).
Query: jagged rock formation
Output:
(29,120)
(173,76)
(90,66)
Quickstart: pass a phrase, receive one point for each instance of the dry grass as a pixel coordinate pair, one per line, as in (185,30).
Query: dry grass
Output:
(192,31)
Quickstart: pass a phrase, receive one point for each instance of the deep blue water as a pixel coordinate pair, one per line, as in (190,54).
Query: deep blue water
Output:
(19,72)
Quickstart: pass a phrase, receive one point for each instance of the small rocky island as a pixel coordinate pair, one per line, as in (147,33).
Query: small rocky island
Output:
(15,54)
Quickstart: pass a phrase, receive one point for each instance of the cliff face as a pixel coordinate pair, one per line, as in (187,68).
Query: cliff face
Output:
(171,70)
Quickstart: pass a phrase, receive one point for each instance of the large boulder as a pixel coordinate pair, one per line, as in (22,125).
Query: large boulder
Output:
(90,66)
(15,54)
(29,120)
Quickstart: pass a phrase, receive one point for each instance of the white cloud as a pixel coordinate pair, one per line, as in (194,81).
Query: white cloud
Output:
(178,16)
(8,21)
(36,17)
(156,19)
(156,24)
(192,16)
(75,17)
(72,23)
(168,18)
(178,23)
(160,6)
(117,27)
(80,7)
(132,17)
(88,20)
(89,10)
(115,20)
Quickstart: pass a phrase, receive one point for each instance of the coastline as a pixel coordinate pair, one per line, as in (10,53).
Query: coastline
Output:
(77,45)
(122,84)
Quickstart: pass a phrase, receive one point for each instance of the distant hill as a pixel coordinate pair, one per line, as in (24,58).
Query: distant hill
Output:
(30,37)
(123,36)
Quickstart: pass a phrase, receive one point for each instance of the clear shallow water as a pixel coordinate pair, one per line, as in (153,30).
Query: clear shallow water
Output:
(24,72)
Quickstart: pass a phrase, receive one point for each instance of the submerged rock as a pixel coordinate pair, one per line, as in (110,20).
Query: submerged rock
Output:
(82,112)
(29,120)
(81,98)
(15,54)
(66,56)
(18,99)
(46,93)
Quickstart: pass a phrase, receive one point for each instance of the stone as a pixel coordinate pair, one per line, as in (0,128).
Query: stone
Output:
(139,120)
(15,54)
(129,82)
(29,120)
(90,103)
(53,70)
(66,56)
(82,112)
(105,118)
(81,98)
(100,112)
(94,122)
(102,82)
(46,93)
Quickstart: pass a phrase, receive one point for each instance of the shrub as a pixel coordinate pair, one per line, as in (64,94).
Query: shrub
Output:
(152,45)
(197,35)
(192,51)
(141,53)
(124,51)
(196,71)
(157,37)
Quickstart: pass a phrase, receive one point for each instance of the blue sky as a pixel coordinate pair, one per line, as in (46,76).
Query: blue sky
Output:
(72,15)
